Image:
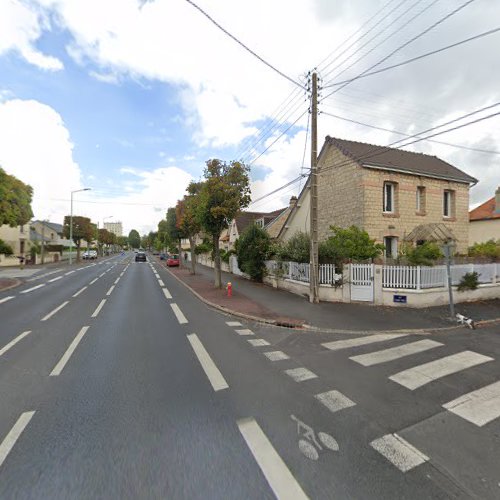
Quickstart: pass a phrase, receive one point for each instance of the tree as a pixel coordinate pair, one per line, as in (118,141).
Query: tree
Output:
(174,233)
(104,237)
(252,250)
(121,241)
(296,249)
(83,229)
(352,243)
(224,193)
(134,239)
(187,211)
(15,200)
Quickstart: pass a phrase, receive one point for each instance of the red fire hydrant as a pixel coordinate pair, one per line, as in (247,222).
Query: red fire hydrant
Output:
(229,289)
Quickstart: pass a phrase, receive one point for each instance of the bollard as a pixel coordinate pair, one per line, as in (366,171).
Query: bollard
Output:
(229,289)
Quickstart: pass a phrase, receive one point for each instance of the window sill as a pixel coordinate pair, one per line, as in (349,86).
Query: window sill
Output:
(390,215)
(449,219)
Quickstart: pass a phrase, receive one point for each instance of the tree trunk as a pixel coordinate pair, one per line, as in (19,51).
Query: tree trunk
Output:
(180,253)
(218,277)
(193,255)
(78,251)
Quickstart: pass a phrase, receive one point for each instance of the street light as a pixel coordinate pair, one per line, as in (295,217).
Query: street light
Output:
(71,224)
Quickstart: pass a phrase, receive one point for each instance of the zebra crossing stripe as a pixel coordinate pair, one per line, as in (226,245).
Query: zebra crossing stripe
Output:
(334,400)
(478,407)
(359,341)
(420,375)
(399,452)
(375,358)
(300,374)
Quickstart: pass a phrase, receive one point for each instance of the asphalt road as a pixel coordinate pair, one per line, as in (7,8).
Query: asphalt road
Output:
(115,382)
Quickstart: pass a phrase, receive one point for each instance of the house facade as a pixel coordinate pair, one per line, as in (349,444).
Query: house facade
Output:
(485,220)
(392,194)
(18,238)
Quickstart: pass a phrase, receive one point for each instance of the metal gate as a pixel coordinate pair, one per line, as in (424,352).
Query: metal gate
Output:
(362,282)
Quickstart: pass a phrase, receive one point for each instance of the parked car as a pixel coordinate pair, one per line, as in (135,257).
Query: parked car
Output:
(140,257)
(163,256)
(89,255)
(172,260)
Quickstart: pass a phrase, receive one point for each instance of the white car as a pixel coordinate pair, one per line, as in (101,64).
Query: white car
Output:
(89,255)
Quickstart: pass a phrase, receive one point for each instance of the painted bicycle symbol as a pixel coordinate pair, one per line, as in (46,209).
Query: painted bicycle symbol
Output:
(310,444)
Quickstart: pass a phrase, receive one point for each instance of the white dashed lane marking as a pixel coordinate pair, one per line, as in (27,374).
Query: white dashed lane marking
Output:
(233,323)
(160,282)
(399,452)
(98,309)
(279,477)
(178,314)
(375,358)
(10,439)
(212,372)
(110,291)
(334,400)
(80,291)
(167,294)
(93,281)
(6,299)
(420,375)
(62,362)
(57,309)
(276,355)
(54,279)
(13,342)
(33,288)
(244,332)
(300,374)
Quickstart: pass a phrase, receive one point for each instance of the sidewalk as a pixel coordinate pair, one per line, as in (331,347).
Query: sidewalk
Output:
(283,308)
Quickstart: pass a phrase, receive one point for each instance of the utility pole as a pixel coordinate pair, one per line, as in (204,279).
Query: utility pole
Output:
(313,267)
(43,242)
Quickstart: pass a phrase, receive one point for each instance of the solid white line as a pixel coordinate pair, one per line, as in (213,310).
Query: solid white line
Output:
(278,475)
(334,400)
(10,439)
(399,452)
(178,314)
(167,293)
(12,343)
(212,372)
(258,342)
(93,281)
(68,273)
(58,308)
(244,332)
(276,355)
(62,362)
(31,289)
(479,407)
(110,290)
(358,341)
(423,374)
(160,282)
(98,309)
(375,358)
(117,280)
(5,299)
(79,291)
(301,374)
(55,279)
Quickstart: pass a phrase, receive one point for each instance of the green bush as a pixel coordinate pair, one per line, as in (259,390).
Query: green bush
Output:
(204,247)
(5,249)
(489,249)
(469,281)
(424,255)
(252,251)
(296,249)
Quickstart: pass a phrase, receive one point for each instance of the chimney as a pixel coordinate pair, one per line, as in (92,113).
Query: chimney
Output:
(293,201)
(497,200)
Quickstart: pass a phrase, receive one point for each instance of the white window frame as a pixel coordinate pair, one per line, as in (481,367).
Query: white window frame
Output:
(392,187)
(447,203)
(420,206)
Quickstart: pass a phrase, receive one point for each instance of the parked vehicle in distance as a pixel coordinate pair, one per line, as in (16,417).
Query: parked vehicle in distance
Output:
(89,255)
(163,256)
(172,260)
(140,257)
(155,252)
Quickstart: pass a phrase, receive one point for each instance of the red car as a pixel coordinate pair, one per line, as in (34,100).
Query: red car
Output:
(172,260)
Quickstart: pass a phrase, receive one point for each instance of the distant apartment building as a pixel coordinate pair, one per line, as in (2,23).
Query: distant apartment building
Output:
(114,227)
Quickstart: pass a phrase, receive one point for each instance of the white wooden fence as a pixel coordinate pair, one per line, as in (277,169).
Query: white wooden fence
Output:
(422,277)
(300,271)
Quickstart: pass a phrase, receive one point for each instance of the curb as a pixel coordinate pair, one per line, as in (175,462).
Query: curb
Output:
(316,329)
(16,283)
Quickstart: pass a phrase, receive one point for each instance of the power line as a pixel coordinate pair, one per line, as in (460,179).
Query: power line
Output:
(269,65)
(413,59)
(411,40)
(305,147)
(293,181)
(478,150)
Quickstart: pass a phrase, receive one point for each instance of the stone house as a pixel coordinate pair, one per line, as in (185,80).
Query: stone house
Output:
(18,238)
(394,195)
(485,220)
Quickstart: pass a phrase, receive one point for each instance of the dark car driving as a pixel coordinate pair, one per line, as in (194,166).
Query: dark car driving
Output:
(140,257)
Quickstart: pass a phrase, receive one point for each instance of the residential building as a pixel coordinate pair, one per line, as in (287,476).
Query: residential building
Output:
(485,220)
(114,227)
(394,195)
(18,238)
(50,232)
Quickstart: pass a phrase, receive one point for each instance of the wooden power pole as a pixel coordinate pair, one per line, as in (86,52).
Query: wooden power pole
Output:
(313,268)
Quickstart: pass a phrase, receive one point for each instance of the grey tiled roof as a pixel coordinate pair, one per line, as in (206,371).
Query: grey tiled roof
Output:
(370,155)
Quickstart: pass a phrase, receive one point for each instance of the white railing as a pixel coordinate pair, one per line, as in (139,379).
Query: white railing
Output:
(300,272)
(422,277)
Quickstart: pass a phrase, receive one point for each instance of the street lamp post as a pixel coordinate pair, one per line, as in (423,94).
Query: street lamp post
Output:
(71,225)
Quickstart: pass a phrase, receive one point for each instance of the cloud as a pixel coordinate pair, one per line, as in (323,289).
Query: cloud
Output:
(21,25)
